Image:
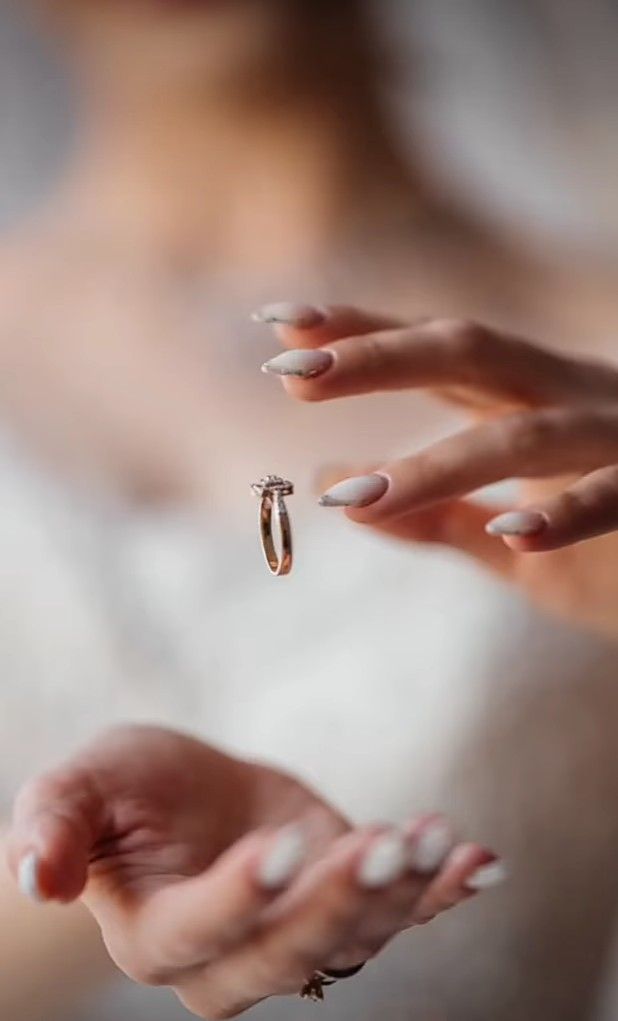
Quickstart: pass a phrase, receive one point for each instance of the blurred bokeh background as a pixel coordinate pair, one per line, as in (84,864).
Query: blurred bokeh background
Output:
(517,101)
(164,168)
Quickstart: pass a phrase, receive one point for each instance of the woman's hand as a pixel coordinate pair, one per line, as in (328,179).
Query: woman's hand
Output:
(227,880)
(540,417)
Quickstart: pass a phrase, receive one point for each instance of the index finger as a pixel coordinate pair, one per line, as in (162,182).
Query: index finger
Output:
(309,326)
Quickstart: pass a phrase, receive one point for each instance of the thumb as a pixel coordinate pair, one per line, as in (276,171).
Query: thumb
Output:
(56,821)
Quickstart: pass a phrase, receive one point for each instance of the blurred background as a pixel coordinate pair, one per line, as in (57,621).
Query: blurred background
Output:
(166,166)
(516,101)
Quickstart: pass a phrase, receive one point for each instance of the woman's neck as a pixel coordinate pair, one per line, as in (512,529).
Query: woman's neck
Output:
(240,185)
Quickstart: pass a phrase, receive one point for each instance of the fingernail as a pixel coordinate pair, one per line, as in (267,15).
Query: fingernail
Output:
(431,847)
(384,861)
(517,523)
(283,858)
(303,364)
(360,491)
(289,313)
(28,877)
(487,876)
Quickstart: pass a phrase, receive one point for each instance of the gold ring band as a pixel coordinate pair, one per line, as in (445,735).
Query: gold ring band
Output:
(272,491)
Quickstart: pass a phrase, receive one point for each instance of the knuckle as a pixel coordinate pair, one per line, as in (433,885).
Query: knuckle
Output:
(610,479)
(524,435)
(268,968)
(277,970)
(137,966)
(274,971)
(220,1011)
(375,356)
(466,339)
(601,491)
(147,975)
(571,504)
(201,1005)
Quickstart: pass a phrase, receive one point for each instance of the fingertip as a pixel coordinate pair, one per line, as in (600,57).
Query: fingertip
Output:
(300,364)
(473,868)
(41,881)
(485,877)
(53,865)
(282,859)
(542,543)
(520,524)
(295,325)
(384,860)
(432,839)
(28,877)
(290,314)
(357,493)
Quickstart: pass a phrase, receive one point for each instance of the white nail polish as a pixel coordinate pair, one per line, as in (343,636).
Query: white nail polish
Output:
(283,858)
(384,861)
(486,876)
(360,491)
(304,364)
(432,846)
(28,877)
(517,523)
(290,313)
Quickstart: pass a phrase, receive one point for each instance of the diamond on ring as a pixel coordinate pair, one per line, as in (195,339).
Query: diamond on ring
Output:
(273,484)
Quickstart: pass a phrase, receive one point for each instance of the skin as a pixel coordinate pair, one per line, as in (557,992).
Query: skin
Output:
(139,825)
(548,419)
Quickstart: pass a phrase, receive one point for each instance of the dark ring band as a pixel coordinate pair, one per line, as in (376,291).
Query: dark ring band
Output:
(314,987)
(339,973)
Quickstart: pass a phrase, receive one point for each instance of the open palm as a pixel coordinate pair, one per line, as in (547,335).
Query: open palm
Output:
(227,880)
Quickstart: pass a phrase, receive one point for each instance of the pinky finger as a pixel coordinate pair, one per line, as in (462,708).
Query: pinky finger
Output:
(586,509)
(468,870)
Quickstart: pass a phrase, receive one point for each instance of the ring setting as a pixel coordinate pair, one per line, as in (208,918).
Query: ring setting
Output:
(272,490)
(314,987)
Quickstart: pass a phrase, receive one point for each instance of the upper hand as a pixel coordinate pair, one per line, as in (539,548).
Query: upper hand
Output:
(225,879)
(540,416)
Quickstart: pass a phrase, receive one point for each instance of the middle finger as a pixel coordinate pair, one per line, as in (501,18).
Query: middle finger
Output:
(526,445)
(443,354)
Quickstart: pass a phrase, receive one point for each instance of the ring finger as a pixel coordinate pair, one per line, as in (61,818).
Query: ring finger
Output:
(364,874)
(528,445)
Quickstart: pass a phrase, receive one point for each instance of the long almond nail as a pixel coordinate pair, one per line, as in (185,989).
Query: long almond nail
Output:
(28,877)
(283,858)
(487,876)
(384,861)
(517,523)
(289,313)
(360,491)
(302,364)
(433,844)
